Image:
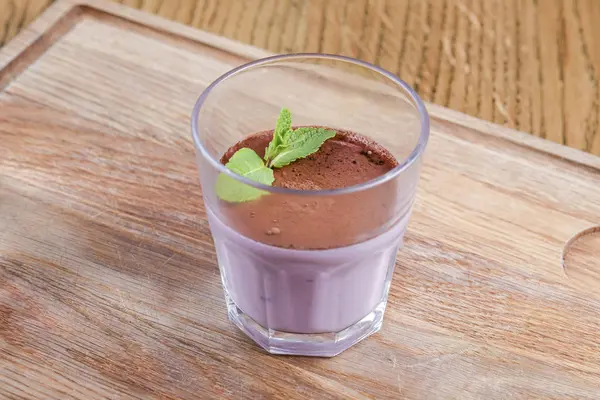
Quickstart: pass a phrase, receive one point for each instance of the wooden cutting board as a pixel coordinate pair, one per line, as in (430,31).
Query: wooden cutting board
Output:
(108,282)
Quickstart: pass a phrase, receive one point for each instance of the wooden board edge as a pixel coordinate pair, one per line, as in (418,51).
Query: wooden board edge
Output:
(38,34)
(62,15)
(172,28)
(514,136)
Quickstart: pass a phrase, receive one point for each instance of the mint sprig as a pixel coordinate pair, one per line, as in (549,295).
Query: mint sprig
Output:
(287,146)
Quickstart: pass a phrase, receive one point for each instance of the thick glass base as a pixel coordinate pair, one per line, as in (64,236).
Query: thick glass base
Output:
(326,344)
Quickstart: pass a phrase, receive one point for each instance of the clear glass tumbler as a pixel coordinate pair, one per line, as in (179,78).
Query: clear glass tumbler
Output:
(329,290)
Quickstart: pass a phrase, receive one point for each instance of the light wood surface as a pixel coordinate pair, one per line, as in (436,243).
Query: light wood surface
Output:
(532,65)
(108,280)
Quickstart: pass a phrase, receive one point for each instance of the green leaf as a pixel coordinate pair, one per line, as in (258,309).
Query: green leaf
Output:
(284,125)
(300,143)
(247,163)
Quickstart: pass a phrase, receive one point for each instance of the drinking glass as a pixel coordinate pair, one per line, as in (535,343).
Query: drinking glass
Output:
(329,289)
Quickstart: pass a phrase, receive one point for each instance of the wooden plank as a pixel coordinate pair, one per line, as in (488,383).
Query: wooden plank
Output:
(108,279)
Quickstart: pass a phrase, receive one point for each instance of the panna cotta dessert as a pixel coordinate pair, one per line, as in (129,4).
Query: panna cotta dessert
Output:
(296,266)
(308,211)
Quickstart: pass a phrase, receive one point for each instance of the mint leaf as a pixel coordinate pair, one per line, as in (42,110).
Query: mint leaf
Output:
(300,143)
(247,163)
(284,125)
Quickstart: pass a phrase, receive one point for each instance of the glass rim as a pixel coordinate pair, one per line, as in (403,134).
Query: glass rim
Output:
(391,174)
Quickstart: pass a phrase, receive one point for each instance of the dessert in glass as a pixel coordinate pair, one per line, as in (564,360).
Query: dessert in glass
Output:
(309,165)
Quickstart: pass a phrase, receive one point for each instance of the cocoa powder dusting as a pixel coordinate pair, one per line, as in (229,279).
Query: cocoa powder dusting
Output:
(318,222)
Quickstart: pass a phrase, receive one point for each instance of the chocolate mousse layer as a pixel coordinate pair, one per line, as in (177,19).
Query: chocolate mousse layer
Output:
(312,220)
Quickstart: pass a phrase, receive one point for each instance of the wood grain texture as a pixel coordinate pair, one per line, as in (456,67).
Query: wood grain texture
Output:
(108,279)
(533,65)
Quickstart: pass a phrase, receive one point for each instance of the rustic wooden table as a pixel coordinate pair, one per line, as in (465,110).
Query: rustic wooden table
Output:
(532,65)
